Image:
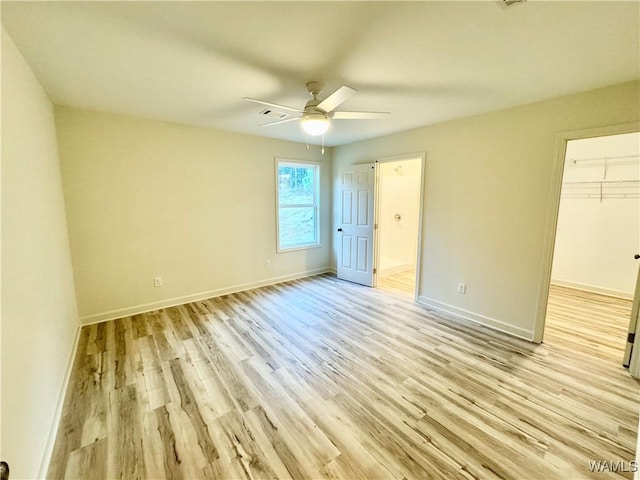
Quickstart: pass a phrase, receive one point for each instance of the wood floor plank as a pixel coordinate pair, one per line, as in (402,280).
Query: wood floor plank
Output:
(239,451)
(401,283)
(190,406)
(125,457)
(88,462)
(320,378)
(595,324)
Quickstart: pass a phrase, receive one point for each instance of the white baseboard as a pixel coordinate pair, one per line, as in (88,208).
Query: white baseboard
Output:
(53,432)
(593,289)
(477,318)
(172,302)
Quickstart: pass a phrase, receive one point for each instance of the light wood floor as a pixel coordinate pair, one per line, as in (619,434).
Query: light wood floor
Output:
(401,283)
(319,378)
(588,322)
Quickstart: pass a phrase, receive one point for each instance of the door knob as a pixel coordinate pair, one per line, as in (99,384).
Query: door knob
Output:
(340,229)
(636,256)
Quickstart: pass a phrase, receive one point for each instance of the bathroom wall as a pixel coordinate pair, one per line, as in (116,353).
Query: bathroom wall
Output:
(399,198)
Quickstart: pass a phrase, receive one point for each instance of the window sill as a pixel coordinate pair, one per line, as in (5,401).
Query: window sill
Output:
(295,249)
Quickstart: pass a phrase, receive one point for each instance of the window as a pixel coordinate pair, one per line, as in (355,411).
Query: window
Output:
(297,190)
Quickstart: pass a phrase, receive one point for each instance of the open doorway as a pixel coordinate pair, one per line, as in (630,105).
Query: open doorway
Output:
(593,275)
(398,199)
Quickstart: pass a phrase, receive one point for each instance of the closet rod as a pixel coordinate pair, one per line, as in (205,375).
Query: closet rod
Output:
(594,159)
(607,183)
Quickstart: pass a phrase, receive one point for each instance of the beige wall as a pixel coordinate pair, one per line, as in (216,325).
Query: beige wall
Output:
(195,206)
(39,317)
(487,185)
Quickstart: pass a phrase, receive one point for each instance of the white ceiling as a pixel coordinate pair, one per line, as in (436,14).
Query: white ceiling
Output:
(425,62)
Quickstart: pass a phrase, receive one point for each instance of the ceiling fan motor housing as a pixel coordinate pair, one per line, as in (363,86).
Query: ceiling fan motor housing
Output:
(312,112)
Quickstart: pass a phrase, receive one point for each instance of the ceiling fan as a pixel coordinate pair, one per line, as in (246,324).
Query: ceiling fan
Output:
(316,116)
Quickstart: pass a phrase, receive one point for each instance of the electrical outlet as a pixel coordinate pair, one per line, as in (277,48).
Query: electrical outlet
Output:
(462,288)
(267,264)
(157,282)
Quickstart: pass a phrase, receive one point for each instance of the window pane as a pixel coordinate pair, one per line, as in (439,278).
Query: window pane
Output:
(297,198)
(297,226)
(296,184)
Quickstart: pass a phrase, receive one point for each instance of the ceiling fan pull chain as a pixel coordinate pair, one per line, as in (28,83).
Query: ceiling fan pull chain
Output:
(307,142)
(323,144)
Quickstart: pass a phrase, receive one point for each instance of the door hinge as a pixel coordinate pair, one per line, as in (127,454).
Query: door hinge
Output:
(631,338)
(375,270)
(375,226)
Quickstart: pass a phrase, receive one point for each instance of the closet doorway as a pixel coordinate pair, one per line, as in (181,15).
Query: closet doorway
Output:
(594,272)
(398,221)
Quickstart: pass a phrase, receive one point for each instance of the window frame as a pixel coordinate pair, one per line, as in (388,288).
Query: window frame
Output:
(316,203)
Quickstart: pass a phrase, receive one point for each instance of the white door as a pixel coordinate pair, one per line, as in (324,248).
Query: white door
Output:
(632,351)
(355,223)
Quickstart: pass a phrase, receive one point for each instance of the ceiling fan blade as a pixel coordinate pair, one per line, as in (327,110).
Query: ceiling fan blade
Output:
(336,98)
(274,105)
(359,115)
(280,121)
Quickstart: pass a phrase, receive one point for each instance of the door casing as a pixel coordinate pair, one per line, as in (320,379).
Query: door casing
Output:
(555,188)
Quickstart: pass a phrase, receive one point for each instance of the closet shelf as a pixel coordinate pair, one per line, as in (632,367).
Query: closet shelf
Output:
(607,183)
(601,189)
(619,160)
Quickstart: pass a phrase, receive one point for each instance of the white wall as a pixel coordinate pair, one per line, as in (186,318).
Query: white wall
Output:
(39,316)
(596,240)
(195,206)
(487,194)
(398,193)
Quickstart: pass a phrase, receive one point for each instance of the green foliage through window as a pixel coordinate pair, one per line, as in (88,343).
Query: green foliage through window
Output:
(297,186)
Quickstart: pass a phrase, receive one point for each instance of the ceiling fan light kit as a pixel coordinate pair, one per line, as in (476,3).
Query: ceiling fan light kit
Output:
(315,123)
(316,116)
